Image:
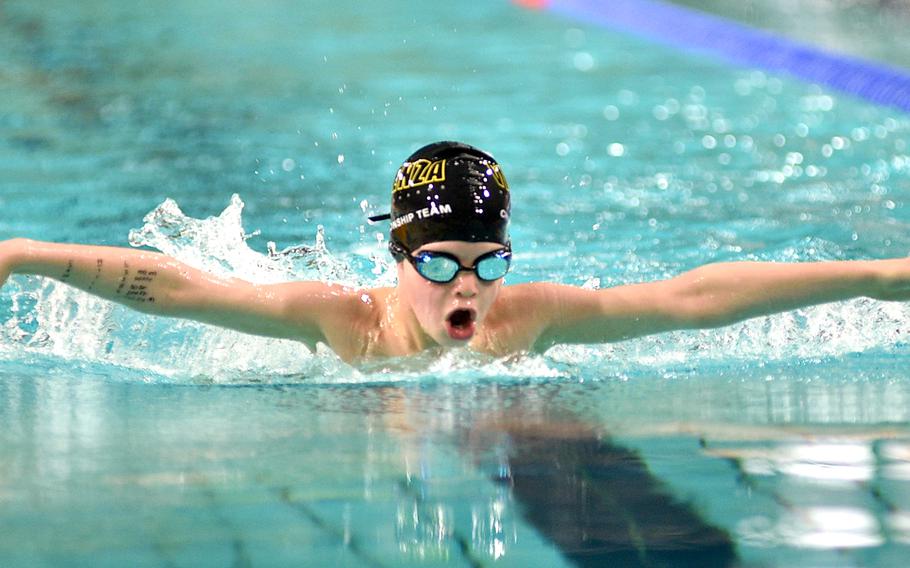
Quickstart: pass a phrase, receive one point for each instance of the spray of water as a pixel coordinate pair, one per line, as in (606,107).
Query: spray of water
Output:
(48,320)
(53,322)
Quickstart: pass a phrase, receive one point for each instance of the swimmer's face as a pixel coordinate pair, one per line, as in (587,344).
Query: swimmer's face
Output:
(449,313)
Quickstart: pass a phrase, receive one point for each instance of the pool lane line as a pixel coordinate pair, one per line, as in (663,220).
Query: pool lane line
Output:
(350,544)
(690,29)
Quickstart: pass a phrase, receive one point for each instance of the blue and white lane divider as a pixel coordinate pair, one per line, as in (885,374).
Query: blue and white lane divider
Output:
(690,29)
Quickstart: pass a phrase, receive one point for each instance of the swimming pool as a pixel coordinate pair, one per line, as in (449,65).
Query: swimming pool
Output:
(128,440)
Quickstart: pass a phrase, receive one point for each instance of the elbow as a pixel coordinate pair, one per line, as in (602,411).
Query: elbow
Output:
(695,307)
(178,299)
(702,314)
(708,311)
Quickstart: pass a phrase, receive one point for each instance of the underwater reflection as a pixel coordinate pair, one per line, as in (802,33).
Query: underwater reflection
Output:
(840,493)
(594,499)
(598,501)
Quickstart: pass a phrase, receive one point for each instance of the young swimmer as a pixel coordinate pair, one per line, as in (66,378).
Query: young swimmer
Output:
(449,236)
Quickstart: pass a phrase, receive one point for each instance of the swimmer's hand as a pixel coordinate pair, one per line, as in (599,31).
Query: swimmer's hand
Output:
(154,283)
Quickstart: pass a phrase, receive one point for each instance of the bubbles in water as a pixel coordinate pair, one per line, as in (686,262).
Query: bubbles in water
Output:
(583,61)
(610,112)
(616,149)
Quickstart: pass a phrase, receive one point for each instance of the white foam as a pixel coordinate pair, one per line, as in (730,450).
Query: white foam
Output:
(48,319)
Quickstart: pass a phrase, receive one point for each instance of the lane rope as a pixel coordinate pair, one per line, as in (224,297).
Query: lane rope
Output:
(740,44)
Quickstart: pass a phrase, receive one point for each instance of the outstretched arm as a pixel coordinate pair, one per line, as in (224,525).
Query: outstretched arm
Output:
(713,296)
(157,284)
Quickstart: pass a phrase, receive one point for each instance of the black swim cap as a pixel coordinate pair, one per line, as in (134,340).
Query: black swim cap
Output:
(449,191)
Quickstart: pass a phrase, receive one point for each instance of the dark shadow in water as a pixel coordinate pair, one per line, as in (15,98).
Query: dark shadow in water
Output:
(599,503)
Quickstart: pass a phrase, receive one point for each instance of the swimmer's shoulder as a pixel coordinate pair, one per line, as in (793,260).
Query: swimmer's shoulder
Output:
(340,315)
(524,315)
(520,315)
(535,303)
(533,295)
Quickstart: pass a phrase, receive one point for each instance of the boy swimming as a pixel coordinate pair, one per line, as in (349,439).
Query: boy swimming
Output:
(449,235)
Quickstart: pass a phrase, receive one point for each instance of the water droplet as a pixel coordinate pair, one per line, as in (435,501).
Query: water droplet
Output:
(627,97)
(583,61)
(860,134)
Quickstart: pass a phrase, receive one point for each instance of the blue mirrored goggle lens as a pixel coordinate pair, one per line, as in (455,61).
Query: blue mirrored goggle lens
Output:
(493,267)
(436,268)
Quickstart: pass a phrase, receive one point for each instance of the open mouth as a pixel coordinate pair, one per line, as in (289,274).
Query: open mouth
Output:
(460,324)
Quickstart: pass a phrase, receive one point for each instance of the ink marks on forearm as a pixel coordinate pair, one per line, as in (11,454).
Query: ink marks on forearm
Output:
(137,291)
(145,276)
(67,272)
(98,265)
(126,273)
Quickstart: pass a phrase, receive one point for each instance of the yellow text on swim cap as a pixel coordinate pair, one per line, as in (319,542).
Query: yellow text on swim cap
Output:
(499,177)
(419,172)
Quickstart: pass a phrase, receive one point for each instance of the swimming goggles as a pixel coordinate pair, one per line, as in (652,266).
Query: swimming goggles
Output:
(442,267)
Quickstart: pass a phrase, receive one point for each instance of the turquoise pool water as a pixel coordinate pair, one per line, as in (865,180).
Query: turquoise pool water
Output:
(133,441)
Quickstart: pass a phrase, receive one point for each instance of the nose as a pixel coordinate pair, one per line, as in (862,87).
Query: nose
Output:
(466,284)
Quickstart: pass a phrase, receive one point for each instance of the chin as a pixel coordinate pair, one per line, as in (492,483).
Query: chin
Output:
(445,341)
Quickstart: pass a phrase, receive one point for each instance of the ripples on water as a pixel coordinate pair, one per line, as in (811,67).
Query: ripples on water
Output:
(628,162)
(52,320)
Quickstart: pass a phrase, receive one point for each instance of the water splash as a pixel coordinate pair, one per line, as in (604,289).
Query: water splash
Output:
(806,335)
(219,245)
(49,321)
(55,325)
